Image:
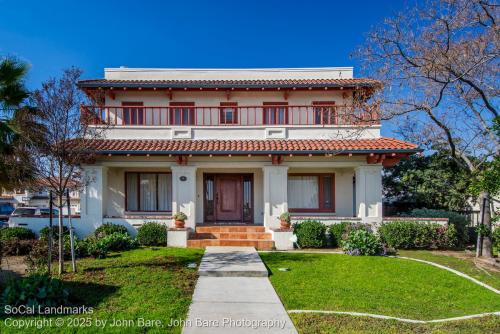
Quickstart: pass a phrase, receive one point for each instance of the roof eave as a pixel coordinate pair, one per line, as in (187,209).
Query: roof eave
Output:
(222,86)
(176,152)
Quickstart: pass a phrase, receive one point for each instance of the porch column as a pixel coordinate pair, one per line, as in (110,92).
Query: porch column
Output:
(184,192)
(275,194)
(92,199)
(369,193)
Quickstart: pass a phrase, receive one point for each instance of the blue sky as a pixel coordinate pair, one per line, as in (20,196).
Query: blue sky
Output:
(53,35)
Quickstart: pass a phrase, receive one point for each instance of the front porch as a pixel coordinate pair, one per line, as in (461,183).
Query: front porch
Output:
(244,192)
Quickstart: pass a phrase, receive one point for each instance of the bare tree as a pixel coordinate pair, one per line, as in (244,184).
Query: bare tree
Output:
(64,148)
(438,62)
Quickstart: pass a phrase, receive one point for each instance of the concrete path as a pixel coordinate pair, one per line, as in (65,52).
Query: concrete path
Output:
(231,296)
(232,262)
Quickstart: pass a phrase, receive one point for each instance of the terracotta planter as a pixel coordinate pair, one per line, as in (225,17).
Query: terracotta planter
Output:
(180,223)
(285,225)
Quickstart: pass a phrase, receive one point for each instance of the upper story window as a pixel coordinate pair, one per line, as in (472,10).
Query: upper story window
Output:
(228,113)
(324,112)
(311,192)
(182,113)
(133,113)
(275,113)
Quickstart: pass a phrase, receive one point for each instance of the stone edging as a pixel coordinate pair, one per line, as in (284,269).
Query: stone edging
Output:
(386,317)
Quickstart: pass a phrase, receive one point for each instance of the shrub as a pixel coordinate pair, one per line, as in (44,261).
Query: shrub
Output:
(17,247)
(36,290)
(152,234)
(361,242)
(20,233)
(95,247)
(456,219)
(108,229)
(310,234)
(414,234)
(44,232)
(339,232)
(118,242)
(36,259)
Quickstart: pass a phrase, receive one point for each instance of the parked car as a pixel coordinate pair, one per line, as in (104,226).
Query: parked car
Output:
(17,217)
(33,211)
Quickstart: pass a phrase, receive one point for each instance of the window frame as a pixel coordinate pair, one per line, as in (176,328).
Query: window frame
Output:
(321,207)
(139,109)
(225,105)
(265,110)
(139,192)
(178,105)
(324,105)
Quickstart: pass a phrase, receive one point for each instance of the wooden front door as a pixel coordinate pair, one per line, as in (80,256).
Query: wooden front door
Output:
(228,198)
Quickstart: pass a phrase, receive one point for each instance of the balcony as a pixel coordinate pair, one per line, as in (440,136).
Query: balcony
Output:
(230,115)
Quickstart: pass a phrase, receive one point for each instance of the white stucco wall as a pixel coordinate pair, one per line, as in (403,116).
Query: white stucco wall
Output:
(247,129)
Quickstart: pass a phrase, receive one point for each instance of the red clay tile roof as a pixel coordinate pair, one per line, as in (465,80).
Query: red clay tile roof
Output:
(290,83)
(200,147)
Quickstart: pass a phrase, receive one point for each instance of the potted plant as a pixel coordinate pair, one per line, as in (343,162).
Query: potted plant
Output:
(285,220)
(180,218)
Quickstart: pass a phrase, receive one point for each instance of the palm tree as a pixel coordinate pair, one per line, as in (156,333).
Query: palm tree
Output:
(14,121)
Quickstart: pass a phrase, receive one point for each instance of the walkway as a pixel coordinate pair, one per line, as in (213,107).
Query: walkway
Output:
(234,295)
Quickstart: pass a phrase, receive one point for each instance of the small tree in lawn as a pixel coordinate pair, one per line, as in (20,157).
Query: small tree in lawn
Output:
(64,149)
(439,63)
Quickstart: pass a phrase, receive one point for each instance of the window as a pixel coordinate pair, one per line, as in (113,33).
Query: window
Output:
(228,113)
(182,113)
(311,192)
(149,192)
(324,112)
(275,113)
(134,114)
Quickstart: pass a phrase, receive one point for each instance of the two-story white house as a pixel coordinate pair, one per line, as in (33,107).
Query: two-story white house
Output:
(234,147)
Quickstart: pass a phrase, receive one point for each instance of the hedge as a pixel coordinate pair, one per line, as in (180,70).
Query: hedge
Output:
(456,219)
(418,235)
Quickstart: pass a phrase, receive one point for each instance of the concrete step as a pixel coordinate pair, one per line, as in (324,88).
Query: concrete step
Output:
(230,229)
(232,262)
(258,244)
(233,235)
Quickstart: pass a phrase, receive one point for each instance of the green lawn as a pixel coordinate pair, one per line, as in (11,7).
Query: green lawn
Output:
(327,324)
(464,264)
(142,283)
(380,285)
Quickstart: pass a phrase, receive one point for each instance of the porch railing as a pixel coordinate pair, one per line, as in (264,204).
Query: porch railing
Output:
(267,115)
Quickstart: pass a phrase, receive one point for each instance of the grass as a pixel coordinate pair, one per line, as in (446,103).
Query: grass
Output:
(323,324)
(143,283)
(379,285)
(464,264)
